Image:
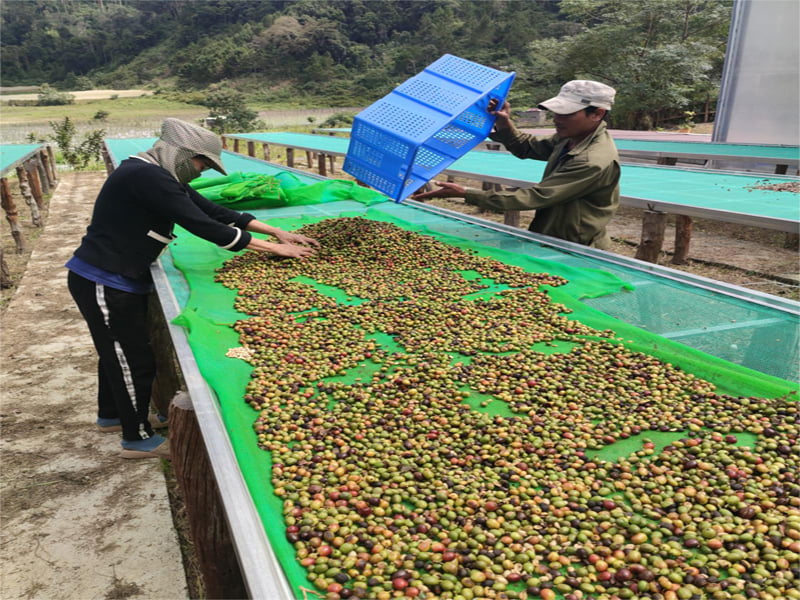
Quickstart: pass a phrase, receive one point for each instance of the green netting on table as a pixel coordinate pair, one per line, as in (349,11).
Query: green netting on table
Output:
(249,191)
(209,314)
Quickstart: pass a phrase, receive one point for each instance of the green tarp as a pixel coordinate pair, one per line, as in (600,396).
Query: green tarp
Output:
(209,314)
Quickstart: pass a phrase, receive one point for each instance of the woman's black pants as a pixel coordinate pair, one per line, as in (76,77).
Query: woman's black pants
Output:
(117,321)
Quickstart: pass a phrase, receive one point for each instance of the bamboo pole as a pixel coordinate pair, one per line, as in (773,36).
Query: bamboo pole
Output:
(10,209)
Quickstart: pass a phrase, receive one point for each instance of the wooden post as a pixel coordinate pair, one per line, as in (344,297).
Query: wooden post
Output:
(215,551)
(107,160)
(511,217)
(169,379)
(683,237)
(236,145)
(224,142)
(51,153)
(321,165)
(290,157)
(332,160)
(44,179)
(5,272)
(667,160)
(251,148)
(310,156)
(36,187)
(25,190)
(653,225)
(265,148)
(11,214)
(48,170)
(781,169)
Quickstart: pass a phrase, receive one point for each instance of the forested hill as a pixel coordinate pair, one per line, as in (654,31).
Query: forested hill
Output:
(663,56)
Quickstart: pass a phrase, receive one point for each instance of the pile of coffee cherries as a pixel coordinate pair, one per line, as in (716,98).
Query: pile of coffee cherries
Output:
(465,459)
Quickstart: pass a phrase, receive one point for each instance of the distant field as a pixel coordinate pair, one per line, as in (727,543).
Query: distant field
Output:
(135,116)
(83,95)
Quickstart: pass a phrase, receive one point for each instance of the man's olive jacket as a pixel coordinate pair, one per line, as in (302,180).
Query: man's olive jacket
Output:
(578,193)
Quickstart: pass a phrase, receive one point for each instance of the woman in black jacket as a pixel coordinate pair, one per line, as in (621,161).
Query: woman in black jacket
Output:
(109,274)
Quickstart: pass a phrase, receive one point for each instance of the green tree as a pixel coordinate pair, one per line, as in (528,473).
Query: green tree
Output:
(49,96)
(662,56)
(229,110)
(78,155)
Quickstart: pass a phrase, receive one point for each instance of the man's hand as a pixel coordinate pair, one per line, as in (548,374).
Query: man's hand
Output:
(503,114)
(446,190)
(286,237)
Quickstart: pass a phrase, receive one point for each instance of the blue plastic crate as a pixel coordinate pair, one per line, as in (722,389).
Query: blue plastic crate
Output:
(406,138)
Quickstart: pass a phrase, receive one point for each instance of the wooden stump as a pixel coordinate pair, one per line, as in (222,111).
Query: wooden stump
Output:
(511,217)
(211,536)
(653,225)
(683,237)
(49,172)
(11,215)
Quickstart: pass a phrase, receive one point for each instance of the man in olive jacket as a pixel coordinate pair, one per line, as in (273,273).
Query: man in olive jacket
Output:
(579,192)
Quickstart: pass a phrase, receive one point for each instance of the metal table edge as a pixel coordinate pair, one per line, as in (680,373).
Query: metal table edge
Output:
(261,570)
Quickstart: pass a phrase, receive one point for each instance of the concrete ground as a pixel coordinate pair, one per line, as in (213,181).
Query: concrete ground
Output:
(77,521)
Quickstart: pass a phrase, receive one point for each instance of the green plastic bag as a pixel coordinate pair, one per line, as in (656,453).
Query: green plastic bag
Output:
(249,191)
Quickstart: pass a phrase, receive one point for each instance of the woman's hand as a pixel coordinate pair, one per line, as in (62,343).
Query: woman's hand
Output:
(446,190)
(286,237)
(285,250)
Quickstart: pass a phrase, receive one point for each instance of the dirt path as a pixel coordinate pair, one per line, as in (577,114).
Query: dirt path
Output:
(78,522)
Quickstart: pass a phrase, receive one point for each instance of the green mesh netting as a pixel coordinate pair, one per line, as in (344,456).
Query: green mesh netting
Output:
(208,317)
(249,191)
